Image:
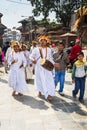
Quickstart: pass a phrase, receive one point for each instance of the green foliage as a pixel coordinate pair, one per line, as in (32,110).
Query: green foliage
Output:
(44,22)
(53,25)
(63,12)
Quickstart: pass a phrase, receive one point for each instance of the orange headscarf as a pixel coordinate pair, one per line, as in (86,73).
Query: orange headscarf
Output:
(44,37)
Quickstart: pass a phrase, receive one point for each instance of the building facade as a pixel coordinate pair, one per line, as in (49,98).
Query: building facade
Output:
(11,35)
(2,27)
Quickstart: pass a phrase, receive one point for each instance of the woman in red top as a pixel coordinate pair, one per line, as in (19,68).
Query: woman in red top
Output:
(75,49)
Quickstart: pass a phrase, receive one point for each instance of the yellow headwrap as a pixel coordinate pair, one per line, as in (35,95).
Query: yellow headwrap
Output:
(44,37)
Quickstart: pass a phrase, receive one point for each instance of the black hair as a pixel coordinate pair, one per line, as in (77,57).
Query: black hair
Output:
(80,53)
(61,43)
(72,43)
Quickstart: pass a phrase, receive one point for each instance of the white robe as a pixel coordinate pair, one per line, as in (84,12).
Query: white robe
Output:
(44,81)
(28,69)
(31,50)
(17,74)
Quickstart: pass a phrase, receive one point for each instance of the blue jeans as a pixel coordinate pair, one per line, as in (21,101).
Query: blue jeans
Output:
(79,85)
(60,77)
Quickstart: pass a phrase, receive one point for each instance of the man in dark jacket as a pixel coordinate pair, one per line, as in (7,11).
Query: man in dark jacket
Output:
(60,57)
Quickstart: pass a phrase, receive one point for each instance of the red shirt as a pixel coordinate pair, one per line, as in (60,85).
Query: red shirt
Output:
(75,49)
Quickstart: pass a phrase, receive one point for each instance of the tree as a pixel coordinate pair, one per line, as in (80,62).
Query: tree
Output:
(62,12)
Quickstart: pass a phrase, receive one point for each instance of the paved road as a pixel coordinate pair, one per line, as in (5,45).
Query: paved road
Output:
(32,113)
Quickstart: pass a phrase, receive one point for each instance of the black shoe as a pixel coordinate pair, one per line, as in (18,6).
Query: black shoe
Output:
(74,96)
(81,100)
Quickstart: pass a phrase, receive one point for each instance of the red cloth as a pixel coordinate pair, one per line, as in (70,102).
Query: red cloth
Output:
(75,49)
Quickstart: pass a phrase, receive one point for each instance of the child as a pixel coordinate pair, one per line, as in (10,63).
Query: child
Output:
(79,76)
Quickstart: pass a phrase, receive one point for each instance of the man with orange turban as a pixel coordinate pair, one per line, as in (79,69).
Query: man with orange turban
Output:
(44,82)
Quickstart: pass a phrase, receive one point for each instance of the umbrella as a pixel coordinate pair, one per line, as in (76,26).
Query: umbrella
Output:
(68,34)
(68,37)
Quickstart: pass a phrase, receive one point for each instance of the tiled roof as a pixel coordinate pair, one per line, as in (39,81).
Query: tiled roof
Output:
(1,14)
(2,26)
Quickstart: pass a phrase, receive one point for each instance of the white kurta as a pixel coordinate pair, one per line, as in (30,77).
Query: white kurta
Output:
(17,74)
(9,50)
(31,50)
(28,69)
(44,81)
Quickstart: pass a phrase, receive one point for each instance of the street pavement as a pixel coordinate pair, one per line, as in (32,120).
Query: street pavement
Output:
(29,112)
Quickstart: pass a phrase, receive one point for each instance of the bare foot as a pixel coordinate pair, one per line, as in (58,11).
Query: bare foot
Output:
(39,94)
(14,93)
(20,94)
(49,98)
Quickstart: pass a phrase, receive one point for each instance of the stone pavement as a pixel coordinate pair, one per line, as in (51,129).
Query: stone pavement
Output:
(29,112)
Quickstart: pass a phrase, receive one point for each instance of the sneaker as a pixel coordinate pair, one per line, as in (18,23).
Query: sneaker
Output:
(74,96)
(61,93)
(81,100)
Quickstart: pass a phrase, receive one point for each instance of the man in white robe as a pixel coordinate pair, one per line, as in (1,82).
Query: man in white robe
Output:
(34,45)
(44,82)
(28,68)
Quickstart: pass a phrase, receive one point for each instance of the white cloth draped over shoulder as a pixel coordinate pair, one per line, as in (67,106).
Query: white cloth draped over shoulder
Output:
(44,81)
(17,75)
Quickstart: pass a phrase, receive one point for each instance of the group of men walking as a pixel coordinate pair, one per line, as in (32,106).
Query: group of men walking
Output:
(44,82)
